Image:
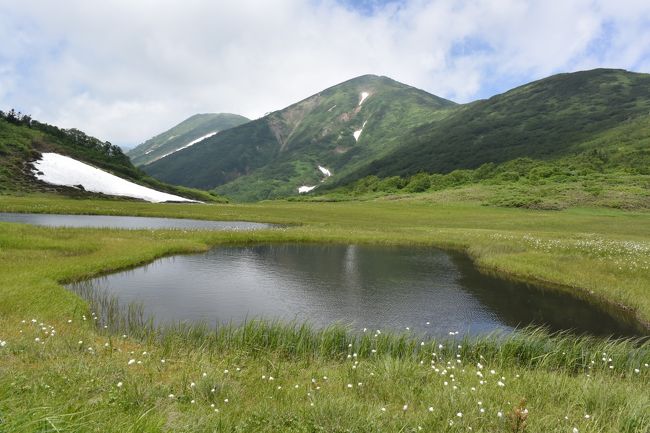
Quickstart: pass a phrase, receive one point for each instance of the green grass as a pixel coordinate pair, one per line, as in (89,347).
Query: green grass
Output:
(59,384)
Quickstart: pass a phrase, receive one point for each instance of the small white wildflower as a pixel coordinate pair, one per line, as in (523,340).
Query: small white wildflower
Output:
(205,375)
(500,414)
(459,414)
(383,409)
(405,407)
(349,385)
(193,401)
(430,408)
(119,384)
(501,384)
(192,385)
(225,400)
(171,396)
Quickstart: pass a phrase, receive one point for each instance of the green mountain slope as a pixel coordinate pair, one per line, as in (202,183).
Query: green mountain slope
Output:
(546,119)
(274,155)
(184,134)
(22,139)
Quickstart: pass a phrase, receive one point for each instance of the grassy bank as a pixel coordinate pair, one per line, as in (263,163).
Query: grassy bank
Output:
(83,378)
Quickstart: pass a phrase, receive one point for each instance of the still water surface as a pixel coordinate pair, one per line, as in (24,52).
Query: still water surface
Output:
(127,222)
(427,290)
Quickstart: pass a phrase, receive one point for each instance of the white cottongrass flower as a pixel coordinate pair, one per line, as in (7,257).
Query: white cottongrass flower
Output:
(430,408)
(3,343)
(500,414)
(131,362)
(171,396)
(405,407)
(192,385)
(119,384)
(501,384)
(459,414)
(575,429)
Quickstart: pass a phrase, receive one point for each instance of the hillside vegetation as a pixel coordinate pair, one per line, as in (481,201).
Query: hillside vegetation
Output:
(547,119)
(272,156)
(183,134)
(23,138)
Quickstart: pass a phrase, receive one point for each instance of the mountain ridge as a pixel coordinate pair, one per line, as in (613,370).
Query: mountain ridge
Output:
(183,135)
(280,152)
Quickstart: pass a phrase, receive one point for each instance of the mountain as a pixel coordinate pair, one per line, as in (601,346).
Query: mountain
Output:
(185,134)
(35,156)
(332,133)
(551,118)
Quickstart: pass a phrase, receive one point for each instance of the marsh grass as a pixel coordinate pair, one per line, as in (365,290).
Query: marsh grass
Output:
(84,377)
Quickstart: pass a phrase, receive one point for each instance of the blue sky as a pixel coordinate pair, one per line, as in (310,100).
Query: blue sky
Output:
(124,70)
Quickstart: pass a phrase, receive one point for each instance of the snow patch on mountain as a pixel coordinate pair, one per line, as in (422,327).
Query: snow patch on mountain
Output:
(358,132)
(325,171)
(305,189)
(364,95)
(191,143)
(62,170)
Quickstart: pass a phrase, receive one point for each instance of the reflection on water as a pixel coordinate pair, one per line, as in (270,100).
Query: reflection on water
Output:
(427,290)
(126,222)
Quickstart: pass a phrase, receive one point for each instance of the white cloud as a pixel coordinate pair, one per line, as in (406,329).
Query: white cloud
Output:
(125,70)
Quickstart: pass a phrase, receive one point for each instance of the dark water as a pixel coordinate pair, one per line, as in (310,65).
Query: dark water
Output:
(373,287)
(126,222)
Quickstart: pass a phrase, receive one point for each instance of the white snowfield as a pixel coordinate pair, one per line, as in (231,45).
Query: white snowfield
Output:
(185,146)
(358,132)
(305,189)
(325,171)
(364,95)
(65,171)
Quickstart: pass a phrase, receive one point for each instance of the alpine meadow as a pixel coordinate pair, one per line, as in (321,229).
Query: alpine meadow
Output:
(426,217)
